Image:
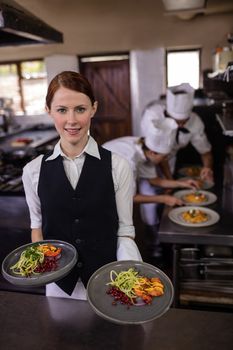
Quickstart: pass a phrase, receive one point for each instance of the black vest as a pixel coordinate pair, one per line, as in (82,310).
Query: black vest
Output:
(85,217)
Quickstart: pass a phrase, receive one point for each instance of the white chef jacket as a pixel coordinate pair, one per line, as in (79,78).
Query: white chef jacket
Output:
(194,125)
(196,137)
(123,185)
(129,148)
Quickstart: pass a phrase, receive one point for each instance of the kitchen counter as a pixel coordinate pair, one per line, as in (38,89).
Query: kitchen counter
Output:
(217,235)
(14,213)
(38,136)
(17,149)
(46,323)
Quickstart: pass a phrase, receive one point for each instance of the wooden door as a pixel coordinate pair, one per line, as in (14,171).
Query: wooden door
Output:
(111,85)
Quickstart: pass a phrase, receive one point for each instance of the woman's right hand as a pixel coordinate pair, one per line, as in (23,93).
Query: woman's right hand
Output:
(171,201)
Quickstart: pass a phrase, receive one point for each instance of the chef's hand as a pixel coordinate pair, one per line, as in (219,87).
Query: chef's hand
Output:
(190,183)
(171,200)
(207,174)
(168,190)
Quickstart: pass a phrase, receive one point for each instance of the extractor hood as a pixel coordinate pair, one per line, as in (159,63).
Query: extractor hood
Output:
(20,27)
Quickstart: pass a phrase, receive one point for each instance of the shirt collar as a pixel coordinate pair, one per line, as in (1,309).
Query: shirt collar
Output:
(91,148)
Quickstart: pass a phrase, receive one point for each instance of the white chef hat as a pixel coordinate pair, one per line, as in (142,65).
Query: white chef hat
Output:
(179,105)
(161,137)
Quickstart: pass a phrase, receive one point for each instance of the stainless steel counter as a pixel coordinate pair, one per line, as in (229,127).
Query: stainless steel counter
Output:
(219,234)
(42,323)
(17,149)
(38,137)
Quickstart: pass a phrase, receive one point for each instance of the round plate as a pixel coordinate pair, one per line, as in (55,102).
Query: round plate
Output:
(175,216)
(101,302)
(211,197)
(190,171)
(67,261)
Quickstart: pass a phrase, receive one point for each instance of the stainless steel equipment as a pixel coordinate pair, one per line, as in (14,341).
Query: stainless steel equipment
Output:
(20,27)
(14,155)
(6,114)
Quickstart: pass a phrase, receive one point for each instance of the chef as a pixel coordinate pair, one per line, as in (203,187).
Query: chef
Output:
(178,106)
(143,154)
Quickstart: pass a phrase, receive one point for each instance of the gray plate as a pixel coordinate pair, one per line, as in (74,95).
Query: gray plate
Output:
(101,302)
(190,171)
(67,261)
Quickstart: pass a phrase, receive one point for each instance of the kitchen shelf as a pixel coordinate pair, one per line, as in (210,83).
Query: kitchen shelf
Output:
(226,124)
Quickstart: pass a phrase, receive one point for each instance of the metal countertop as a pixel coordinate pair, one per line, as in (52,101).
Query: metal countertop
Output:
(46,323)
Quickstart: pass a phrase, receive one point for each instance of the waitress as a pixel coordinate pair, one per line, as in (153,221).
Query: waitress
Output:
(179,104)
(80,193)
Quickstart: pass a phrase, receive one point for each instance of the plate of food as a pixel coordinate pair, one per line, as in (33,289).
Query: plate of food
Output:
(190,171)
(193,216)
(196,197)
(203,184)
(129,292)
(21,142)
(39,263)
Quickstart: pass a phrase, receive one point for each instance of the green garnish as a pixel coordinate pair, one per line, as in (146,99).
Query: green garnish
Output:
(29,260)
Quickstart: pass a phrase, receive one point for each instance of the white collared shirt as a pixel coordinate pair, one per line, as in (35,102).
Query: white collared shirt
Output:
(122,179)
(123,185)
(196,135)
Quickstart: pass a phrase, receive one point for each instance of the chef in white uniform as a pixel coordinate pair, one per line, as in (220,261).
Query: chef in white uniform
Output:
(143,154)
(190,128)
(179,104)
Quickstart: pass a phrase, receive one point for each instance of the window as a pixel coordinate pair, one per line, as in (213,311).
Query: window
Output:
(183,67)
(26,84)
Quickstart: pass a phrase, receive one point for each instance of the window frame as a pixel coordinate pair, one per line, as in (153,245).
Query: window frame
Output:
(20,79)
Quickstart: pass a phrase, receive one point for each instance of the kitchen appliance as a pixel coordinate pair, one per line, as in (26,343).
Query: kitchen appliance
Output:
(206,274)
(6,114)
(20,27)
(13,159)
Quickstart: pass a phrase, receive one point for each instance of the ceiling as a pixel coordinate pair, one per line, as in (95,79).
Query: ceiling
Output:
(102,26)
(185,9)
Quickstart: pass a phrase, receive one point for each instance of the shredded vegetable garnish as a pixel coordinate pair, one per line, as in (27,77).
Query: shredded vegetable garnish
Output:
(125,281)
(29,260)
(128,286)
(36,259)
